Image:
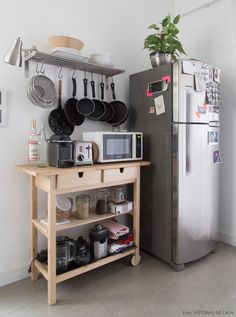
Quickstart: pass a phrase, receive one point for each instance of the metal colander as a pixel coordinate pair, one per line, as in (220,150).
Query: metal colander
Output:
(41,91)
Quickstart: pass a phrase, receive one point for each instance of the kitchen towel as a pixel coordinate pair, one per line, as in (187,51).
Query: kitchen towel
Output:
(115,228)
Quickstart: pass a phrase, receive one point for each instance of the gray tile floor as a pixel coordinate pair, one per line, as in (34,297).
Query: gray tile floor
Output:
(205,288)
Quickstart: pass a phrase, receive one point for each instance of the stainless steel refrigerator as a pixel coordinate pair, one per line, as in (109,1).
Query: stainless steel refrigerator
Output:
(176,106)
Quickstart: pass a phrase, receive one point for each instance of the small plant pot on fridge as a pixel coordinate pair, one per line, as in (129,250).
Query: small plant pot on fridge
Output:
(160,58)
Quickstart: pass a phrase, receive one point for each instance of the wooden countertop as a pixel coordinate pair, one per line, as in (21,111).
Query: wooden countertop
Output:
(50,171)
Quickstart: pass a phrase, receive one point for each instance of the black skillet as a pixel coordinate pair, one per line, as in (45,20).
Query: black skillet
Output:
(57,119)
(120,109)
(73,116)
(109,111)
(85,106)
(99,105)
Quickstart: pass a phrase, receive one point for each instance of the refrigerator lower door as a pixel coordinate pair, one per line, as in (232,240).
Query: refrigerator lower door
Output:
(195,172)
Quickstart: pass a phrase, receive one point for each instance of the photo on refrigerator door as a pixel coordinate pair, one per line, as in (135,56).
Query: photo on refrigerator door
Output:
(213,137)
(216,157)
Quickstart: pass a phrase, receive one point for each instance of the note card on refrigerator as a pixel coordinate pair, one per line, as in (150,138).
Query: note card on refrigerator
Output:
(159,105)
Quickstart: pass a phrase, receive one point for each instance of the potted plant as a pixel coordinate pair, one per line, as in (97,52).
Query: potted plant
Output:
(164,45)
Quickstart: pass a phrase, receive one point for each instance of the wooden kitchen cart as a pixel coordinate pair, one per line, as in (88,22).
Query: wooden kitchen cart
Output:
(68,180)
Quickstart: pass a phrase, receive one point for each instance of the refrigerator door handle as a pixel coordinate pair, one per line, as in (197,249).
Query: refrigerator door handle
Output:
(184,134)
(186,151)
(158,85)
(183,116)
(214,124)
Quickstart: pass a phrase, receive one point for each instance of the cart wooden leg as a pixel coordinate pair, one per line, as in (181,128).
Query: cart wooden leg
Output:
(136,220)
(34,233)
(52,242)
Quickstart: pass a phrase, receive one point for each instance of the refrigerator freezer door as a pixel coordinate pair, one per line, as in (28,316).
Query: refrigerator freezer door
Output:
(195,191)
(195,109)
(190,105)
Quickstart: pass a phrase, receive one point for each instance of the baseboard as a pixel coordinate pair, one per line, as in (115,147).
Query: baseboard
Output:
(227,238)
(13,275)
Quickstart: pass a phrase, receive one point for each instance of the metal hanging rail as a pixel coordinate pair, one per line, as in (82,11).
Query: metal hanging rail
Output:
(67,62)
(207,5)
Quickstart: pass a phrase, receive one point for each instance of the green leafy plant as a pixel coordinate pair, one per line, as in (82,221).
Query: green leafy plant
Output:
(165,39)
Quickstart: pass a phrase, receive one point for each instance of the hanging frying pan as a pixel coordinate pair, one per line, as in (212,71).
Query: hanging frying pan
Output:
(72,115)
(109,111)
(99,105)
(85,106)
(57,119)
(120,109)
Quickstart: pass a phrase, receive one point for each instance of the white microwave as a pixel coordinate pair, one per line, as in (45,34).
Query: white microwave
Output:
(117,146)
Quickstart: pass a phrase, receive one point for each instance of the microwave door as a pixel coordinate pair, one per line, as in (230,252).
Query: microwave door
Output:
(117,147)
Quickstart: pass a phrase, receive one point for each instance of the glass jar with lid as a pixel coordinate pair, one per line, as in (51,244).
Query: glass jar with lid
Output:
(63,207)
(82,206)
(102,205)
(118,194)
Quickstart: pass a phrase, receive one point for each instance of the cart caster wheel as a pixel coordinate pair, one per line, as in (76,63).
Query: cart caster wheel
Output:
(135,260)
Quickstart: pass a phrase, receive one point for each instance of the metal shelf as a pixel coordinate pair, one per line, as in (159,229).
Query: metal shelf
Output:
(70,63)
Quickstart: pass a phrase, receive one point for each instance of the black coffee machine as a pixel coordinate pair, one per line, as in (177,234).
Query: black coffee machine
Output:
(60,151)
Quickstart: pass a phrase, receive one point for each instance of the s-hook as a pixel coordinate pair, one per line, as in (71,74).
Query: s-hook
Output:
(41,70)
(60,75)
(73,74)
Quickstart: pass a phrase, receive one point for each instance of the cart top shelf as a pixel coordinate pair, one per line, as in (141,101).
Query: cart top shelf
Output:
(50,171)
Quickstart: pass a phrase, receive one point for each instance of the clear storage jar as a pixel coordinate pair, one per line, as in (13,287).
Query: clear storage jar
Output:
(118,194)
(82,206)
(102,205)
(63,207)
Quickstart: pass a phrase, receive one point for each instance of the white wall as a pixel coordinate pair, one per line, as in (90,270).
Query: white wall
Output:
(118,27)
(210,35)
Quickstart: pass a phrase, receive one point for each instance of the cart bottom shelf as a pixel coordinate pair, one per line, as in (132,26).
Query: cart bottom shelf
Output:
(42,268)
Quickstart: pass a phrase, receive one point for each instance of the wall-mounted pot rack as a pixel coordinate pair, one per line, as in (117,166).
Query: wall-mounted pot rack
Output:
(67,62)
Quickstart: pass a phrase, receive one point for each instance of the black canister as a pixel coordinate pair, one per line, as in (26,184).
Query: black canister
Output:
(83,255)
(102,205)
(98,236)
